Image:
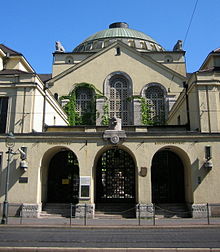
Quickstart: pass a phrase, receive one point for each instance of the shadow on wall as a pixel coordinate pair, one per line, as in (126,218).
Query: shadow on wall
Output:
(199,173)
(15,173)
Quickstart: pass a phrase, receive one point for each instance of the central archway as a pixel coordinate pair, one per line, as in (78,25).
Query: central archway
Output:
(115,177)
(63,178)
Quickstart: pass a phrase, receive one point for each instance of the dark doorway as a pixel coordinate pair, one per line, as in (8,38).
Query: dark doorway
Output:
(63,178)
(115,177)
(167,176)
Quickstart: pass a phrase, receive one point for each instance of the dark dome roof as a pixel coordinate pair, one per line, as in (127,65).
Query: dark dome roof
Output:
(118,31)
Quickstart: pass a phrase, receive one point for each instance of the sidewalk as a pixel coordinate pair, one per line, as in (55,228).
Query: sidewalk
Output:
(133,223)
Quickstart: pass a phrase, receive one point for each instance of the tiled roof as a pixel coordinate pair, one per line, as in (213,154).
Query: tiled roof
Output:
(8,50)
(12,72)
(45,77)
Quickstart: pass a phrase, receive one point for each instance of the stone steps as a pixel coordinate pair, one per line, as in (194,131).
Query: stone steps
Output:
(175,210)
(55,210)
(114,211)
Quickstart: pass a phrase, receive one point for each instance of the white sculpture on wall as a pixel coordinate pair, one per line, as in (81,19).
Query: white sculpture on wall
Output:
(114,133)
(115,123)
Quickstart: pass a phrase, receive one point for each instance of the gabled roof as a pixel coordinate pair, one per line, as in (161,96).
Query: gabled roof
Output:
(95,55)
(45,77)
(9,51)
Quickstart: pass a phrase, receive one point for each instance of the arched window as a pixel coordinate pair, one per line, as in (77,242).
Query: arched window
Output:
(119,91)
(85,104)
(155,99)
(83,99)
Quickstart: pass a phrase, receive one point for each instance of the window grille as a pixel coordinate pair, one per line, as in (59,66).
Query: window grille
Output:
(83,100)
(156,102)
(118,102)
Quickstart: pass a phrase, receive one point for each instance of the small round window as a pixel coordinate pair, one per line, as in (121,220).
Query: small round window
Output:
(168,59)
(69,60)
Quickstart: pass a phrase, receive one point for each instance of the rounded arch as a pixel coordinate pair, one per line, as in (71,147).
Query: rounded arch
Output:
(118,88)
(153,84)
(155,97)
(107,80)
(184,162)
(117,166)
(59,176)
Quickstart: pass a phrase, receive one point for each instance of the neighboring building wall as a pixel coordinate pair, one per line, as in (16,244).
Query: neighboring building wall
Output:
(16,64)
(53,113)
(178,113)
(1,62)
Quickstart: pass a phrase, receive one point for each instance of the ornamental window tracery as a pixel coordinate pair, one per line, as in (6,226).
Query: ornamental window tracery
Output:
(155,98)
(84,97)
(119,91)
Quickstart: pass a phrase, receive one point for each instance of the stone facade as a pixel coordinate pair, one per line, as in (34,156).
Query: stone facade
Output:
(161,112)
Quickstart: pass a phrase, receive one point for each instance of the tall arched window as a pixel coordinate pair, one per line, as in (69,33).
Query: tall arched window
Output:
(85,105)
(119,91)
(155,98)
(83,98)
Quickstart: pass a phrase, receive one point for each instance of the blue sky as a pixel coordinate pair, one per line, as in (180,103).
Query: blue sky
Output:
(32,26)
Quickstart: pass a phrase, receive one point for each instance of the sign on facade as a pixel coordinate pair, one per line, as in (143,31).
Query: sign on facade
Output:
(84,187)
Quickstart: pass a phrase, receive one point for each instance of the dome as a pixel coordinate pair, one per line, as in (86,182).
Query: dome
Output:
(118,31)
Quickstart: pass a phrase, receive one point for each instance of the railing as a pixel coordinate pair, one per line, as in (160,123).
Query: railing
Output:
(145,216)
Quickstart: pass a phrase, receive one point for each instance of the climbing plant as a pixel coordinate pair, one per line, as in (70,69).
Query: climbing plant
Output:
(87,117)
(105,118)
(145,113)
(145,110)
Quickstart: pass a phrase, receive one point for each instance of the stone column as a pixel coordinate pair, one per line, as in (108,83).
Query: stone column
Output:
(100,102)
(137,111)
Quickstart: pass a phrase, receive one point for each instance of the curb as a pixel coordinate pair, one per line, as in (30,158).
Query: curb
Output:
(45,249)
(109,227)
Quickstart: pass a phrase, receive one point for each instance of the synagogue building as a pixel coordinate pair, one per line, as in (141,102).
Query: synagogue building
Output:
(118,125)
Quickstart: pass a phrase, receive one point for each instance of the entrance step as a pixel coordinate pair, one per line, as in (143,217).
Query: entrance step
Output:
(55,210)
(115,210)
(172,210)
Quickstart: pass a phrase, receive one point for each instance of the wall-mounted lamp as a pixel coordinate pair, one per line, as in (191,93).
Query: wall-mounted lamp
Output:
(24,165)
(23,156)
(208,157)
(208,164)
(208,152)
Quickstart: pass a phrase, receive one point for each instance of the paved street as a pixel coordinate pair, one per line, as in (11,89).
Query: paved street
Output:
(186,237)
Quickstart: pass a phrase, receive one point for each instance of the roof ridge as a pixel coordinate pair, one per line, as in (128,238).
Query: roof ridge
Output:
(7,49)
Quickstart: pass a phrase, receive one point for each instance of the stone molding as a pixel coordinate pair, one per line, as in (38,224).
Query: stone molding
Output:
(80,210)
(200,210)
(146,210)
(30,210)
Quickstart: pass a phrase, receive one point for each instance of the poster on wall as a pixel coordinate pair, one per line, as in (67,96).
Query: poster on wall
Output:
(84,187)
